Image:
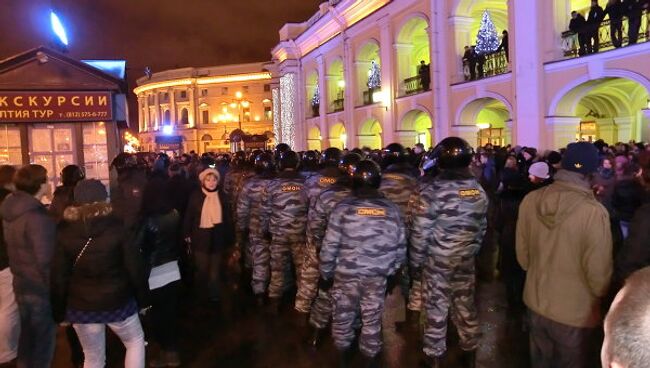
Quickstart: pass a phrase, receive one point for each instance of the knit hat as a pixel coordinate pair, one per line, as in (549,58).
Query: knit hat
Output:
(208,171)
(539,169)
(554,157)
(89,191)
(581,157)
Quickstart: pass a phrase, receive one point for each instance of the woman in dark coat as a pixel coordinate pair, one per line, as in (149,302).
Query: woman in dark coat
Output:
(98,277)
(63,194)
(208,231)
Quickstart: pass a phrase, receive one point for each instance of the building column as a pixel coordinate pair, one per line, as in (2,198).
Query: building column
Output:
(564,131)
(323,90)
(645,125)
(624,129)
(526,57)
(158,112)
(193,115)
(172,107)
(441,52)
(147,118)
(351,128)
(461,27)
(388,71)
(507,132)
(140,114)
(467,132)
(292,111)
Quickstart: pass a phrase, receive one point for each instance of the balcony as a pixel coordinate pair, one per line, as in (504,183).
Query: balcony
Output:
(414,85)
(315,110)
(571,40)
(495,63)
(337,105)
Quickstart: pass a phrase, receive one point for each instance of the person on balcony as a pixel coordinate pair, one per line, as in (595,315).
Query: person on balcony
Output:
(469,58)
(578,25)
(424,71)
(594,19)
(504,45)
(634,9)
(615,11)
(480,62)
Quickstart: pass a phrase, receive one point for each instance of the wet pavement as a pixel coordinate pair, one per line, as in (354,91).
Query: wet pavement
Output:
(246,337)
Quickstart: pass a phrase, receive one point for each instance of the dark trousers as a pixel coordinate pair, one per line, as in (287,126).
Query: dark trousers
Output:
(37,332)
(593,42)
(634,24)
(556,345)
(472,71)
(164,316)
(208,257)
(616,32)
(583,40)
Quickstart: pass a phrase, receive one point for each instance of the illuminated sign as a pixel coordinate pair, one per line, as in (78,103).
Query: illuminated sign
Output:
(28,106)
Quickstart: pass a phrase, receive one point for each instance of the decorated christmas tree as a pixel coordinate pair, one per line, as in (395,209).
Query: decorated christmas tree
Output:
(315,99)
(487,40)
(374,76)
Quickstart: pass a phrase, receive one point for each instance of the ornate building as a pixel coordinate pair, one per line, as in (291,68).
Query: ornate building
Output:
(371,72)
(219,108)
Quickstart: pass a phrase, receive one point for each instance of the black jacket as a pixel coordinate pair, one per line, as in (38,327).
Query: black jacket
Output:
(192,221)
(4,259)
(595,17)
(615,11)
(635,253)
(578,24)
(627,198)
(160,238)
(108,273)
(126,197)
(63,198)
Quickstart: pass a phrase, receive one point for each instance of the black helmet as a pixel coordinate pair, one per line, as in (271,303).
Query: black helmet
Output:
(239,159)
(280,148)
(264,163)
(453,153)
(349,162)
(253,157)
(309,159)
(288,160)
(331,157)
(71,175)
(124,161)
(393,153)
(366,174)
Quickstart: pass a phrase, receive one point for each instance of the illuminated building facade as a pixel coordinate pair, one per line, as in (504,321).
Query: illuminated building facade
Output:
(211,109)
(543,94)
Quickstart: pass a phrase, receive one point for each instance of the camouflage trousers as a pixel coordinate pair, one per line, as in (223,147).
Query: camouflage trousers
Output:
(415,296)
(284,255)
(261,263)
(449,284)
(321,311)
(308,282)
(349,295)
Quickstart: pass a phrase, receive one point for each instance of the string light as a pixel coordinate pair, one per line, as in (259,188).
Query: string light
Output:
(276,115)
(287,99)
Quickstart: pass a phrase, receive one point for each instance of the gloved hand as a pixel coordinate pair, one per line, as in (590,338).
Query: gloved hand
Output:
(325,284)
(391,283)
(416,274)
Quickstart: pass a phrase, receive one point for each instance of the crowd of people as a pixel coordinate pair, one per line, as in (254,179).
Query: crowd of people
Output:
(588,28)
(332,235)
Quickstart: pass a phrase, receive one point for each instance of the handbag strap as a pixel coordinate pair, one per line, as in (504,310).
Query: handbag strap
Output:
(82,252)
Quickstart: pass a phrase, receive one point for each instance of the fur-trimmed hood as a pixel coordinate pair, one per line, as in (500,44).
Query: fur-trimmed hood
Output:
(87,212)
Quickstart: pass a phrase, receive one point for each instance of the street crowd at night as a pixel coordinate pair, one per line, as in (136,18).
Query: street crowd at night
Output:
(333,247)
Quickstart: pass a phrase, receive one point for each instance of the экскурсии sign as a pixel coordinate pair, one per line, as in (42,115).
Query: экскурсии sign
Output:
(31,106)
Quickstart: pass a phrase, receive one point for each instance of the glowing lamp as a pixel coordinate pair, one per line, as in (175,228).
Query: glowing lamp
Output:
(341,84)
(57,28)
(168,130)
(238,95)
(483,125)
(378,97)
(257,118)
(233,105)
(245,104)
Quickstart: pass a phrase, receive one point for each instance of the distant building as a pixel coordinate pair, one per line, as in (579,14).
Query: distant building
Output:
(210,109)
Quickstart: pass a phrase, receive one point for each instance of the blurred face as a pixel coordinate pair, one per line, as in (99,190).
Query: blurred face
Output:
(511,163)
(535,180)
(607,164)
(210,182)
(605,356)
(484,159)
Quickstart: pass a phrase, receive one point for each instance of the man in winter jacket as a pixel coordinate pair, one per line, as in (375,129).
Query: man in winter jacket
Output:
(564,243)
(30,236)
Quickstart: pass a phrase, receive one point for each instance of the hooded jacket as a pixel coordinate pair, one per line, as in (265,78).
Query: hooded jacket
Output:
(110,271)
(29,233)
(564,242)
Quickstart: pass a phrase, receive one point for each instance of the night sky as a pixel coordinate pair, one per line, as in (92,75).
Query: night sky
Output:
(162,34)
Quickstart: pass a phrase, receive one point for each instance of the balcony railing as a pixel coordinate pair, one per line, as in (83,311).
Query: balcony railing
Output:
(315,110)
(337,105)
(413,85)
(571,41)
(367,97)
(495,63)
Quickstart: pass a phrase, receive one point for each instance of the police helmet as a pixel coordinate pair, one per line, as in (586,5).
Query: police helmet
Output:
(124,161)
(366,174)
(453,153)
(288,160)
(71,175)
(349,162)
(239,159)
(264,163)
(309,159)
(331,157)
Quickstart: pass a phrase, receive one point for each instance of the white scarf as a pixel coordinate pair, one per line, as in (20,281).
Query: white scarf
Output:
(211,211)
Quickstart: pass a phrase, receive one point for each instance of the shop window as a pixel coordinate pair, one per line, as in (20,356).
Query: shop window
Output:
(268,113)
(247,114)
(204,92)
(205,116)
(10,149)
(588,131)
(184,117)
(52,148)
(267,88)
(95,151)
(183,94)
(492,136)
(224,91)
(245,89)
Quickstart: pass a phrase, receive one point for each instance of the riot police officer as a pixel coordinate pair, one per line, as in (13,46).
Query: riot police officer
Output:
(448,226)
(365,244)
(309,164)
(284,220)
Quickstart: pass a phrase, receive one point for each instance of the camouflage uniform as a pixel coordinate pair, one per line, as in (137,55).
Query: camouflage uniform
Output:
(249,211)
(448,226)
(285,218)
(364,244)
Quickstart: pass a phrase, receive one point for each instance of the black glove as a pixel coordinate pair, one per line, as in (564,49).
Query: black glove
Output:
(391,283)
(325,284)
(416,274)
